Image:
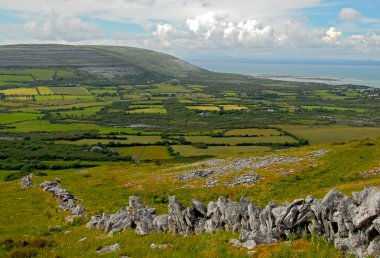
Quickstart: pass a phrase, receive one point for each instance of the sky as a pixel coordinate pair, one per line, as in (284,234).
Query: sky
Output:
(306,29)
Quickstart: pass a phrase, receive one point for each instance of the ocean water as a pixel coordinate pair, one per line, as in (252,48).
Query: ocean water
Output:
(358,74)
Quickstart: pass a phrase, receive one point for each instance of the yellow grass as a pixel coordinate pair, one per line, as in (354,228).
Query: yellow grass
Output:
(45,90)
(233,107)
(204,108)
(20,91)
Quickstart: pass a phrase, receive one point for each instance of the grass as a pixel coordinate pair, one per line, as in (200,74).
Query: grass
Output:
(44,90)
(65,74)
(20,91)
(148,111)
(84,112)
(190,151)
(330,134)
(252,131)
(130,139)
(9,118)
(76,91)
(81,97)
(48,97)
(144,152)
(15,78)
(106,189)
(164,88)
(204,108)
(236,140)
(329,108)
(233,107)
(97,91)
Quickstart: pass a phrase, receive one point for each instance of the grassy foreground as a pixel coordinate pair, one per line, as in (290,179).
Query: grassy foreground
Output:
(31,224)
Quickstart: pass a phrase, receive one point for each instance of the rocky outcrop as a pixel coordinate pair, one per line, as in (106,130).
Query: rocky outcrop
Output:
(26,181)
(352,223)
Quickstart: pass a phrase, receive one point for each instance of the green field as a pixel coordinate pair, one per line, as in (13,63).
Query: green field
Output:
(48,97)
(144,152)
(252,131)
(83,112)
(233,107)
(190,151)
(76,91)
(236,140)
(130,139)
(9,118)
(80,97)
(44,90)
(359,110)
(330,134)
(15,78)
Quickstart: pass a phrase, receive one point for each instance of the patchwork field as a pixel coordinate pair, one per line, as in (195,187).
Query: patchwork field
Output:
(15,78)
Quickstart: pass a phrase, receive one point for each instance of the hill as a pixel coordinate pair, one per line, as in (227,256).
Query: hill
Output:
(109,62)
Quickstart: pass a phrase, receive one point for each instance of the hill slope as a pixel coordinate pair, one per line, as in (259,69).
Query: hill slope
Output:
(102,61)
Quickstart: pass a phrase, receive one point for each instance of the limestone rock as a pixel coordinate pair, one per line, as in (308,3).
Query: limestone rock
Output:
(110,248)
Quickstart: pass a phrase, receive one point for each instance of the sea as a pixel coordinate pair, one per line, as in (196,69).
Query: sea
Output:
(336,73)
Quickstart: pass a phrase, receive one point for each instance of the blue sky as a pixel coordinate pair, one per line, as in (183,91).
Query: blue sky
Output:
(247,28)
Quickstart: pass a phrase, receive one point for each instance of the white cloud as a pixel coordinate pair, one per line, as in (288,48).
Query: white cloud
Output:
(51,25)
(350,14)
(332,35)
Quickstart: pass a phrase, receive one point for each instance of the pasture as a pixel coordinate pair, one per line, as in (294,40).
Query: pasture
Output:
(233,107)
(20,91)
(252,132)
(9,118)
(204,108)
(190,151)
(237,140)
(44,90)
(330,134)
(144,152)
(76,91)
(15,78)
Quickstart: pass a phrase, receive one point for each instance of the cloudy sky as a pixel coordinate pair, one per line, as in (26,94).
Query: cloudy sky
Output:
(335,29)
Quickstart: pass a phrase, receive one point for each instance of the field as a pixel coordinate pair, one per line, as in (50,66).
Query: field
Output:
(48,97)
(321,135)
(144,152)
(16,78)
(190,151)
(252,132)
(9,118)
(76,91)
(45,90)
(237,140)
(359,110)
(130,139)
(20,91)
(233,107)
(204,108)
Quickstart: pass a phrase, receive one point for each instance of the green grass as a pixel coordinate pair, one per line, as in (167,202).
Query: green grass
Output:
(44,90)
(65,74)
(15,78)
(144,152)
(9,118)
(38,74)
(76,91)
(80,97)
(97,91)
(164,88)
(148,111)
(330,134)
(106,189)
(252,131)
(190,151)
(329,108)
(48,97)
(236,140)
(130,139)
(85,112)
